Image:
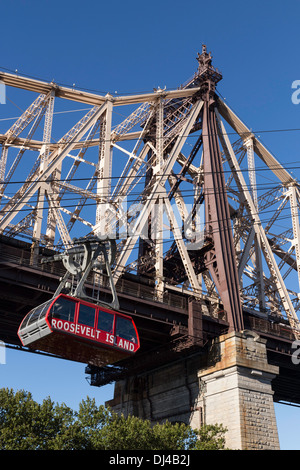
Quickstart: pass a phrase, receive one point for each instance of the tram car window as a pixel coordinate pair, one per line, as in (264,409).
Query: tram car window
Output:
(86,315)
(105,321)
(63,309)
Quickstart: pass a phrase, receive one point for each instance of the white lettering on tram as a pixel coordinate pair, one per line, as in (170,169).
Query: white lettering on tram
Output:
(89,332)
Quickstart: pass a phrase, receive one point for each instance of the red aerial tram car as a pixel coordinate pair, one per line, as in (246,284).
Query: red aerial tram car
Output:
(80,331)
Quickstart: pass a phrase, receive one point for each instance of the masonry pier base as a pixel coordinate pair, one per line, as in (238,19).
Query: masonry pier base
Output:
(230,385)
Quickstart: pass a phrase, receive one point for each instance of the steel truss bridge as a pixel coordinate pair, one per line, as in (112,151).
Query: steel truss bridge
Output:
(205,218)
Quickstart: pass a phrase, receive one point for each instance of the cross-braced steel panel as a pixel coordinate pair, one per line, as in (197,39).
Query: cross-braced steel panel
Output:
(174,176)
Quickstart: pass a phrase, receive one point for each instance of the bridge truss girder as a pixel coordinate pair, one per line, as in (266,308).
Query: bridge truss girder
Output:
(184,203)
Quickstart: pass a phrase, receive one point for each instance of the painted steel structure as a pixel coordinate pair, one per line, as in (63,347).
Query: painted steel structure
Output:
(177,184)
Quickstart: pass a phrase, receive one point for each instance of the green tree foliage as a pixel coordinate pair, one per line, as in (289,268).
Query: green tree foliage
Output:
(28,425)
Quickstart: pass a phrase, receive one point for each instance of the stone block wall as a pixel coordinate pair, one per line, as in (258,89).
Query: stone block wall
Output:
(232,386)
(237,392)
(169,392)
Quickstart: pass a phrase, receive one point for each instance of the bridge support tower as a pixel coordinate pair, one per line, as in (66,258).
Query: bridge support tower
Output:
(231,385)
(236,390)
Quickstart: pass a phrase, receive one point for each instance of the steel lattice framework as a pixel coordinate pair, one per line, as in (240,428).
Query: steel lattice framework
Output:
(179,183)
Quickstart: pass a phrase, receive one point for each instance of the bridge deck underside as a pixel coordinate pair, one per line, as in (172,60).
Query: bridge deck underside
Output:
(163,327)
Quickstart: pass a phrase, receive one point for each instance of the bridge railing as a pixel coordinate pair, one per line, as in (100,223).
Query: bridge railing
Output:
(273,328)
(19,257)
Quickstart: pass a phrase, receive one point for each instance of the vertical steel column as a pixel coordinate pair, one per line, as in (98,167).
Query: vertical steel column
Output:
(51,220)
(3,160)
(104,169)
(258,257)
(251,169)
(44,156)
(158,207)
(293,193)
(222,264)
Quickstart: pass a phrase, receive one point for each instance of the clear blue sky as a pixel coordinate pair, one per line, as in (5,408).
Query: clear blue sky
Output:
(132,47)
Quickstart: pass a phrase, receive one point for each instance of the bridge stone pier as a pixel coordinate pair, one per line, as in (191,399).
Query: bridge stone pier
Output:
(236,391)
(231,386)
